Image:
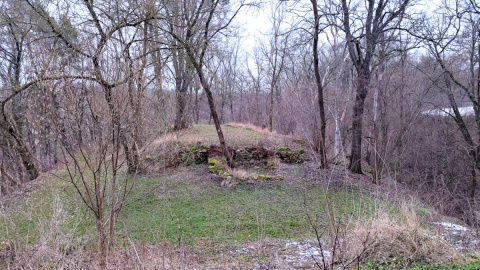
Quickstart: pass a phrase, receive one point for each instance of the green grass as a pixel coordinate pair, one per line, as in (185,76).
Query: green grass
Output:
(181,207)
(24,220)
(189,213)
(420,266)
(27,219)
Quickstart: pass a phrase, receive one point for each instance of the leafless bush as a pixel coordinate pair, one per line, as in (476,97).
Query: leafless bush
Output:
(437,165)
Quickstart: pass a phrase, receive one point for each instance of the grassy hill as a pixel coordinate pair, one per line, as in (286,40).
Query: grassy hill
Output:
(180,215)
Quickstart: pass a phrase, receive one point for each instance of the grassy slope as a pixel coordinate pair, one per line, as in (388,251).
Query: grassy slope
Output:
(31,216)
(183,206)
(175,205)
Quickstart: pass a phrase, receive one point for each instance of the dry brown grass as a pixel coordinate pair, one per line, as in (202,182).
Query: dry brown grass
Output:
(385,236)
(257,129)
(129,257)
(241,174)
(381,236)
(235,134)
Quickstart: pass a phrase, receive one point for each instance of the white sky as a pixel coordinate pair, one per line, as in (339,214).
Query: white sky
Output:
(253,22)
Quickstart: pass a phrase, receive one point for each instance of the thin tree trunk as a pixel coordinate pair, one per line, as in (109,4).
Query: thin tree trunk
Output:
(131,153)
(102,242)
(213,112)
(232,114)
(270,111)
(196,108)
(318,81)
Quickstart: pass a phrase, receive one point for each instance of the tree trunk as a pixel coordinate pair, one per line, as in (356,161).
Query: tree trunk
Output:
(196,107)
(475,155)
(21,148)
(318,82)
(378,144)
(232,114)
(357,120)
(102,242)
(270,111)
(338,135)
(181,103)
(131,153)
(213,112)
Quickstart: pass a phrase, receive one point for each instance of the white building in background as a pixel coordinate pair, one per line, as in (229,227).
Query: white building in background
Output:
(464,111)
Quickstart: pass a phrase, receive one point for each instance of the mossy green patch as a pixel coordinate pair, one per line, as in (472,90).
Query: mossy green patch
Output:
(217,167)
(270,165)
(264,177)
(212,161)
(422,212)
(289,156)
(283,148)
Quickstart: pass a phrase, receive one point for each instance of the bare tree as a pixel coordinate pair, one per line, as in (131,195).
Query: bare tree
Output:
(274,54)
(452,40)
(182,69)
(93,161)
(107,81)
(105,40)
(363,34)
(226,77)
(15,33)
(203,21)
(318,82)
(255,74)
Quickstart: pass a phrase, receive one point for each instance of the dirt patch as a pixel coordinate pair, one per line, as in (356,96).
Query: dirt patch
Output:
(303,254)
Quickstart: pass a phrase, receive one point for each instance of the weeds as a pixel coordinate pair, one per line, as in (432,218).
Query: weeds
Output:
(383,240)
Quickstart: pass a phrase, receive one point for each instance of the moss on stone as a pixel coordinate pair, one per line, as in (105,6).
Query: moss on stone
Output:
(270,165)
(286,155)
(212,161)
(283,148)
